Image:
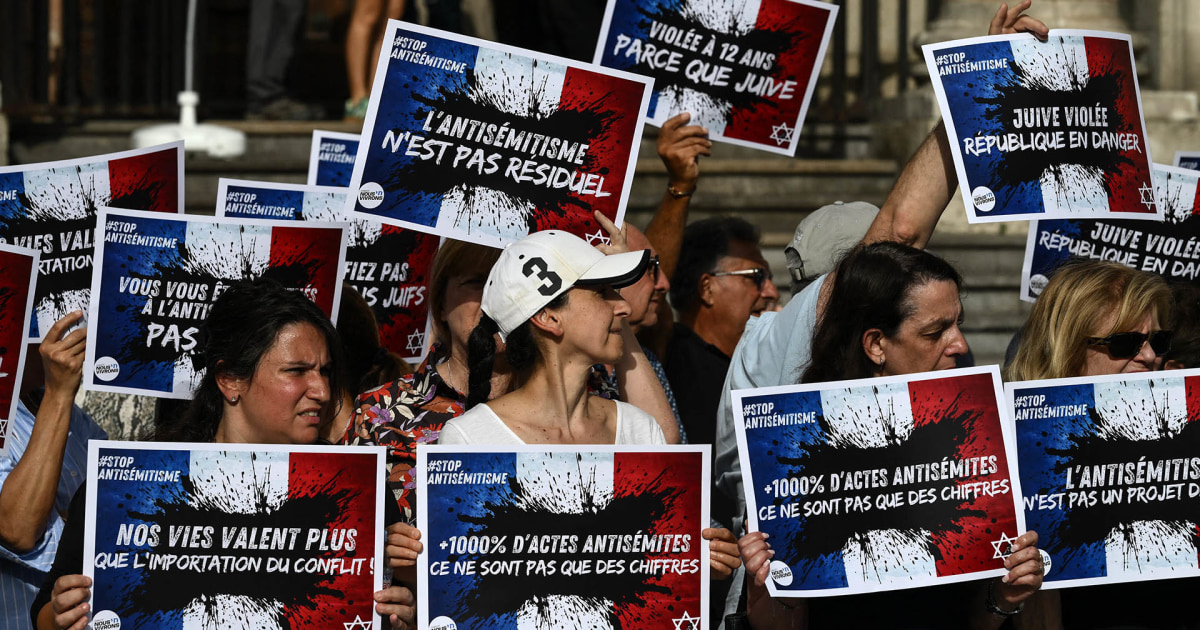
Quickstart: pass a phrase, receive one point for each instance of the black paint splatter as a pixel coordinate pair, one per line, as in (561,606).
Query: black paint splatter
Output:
(774,41)
(583,125)
(522,513)
(1029,91)
(1083,525)
(829,534)
(159,593)
(199,270)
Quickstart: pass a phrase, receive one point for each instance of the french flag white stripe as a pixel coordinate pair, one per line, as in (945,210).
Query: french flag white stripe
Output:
(522,87)
(322,206)
(888,413)
(1061,64)
(589,478)
(567,484)
(240,483)
(1138,410)
(884,555)
(63,192)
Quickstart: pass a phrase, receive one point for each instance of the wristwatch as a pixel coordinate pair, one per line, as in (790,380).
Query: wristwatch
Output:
(996,610)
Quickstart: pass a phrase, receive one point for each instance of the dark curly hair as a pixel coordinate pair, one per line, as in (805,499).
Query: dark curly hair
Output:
(241,327)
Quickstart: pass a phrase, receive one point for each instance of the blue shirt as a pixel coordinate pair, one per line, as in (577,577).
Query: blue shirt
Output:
(21,575)
(774,350)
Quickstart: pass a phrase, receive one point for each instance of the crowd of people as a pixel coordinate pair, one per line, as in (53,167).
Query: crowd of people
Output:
(553,341)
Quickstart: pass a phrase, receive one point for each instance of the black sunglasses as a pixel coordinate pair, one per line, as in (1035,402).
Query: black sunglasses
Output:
(1127,345)
(759,274)
(653,268)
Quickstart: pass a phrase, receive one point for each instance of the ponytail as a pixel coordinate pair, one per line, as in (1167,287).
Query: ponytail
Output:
(521,352)
(481,358)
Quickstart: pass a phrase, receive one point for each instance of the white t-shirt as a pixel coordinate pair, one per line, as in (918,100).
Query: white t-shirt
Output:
(481,425)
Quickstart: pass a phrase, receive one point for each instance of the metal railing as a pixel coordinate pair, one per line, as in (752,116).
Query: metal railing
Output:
(73,59)
(124,59)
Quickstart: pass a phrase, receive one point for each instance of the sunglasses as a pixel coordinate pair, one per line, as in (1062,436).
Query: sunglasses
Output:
(759,274)
(653,268)
(1127,345)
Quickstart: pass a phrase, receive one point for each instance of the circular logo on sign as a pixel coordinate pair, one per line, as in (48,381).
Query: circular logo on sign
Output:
(983,198)
(106,368)
(781,573)
(106,620)
(1037,283)
(370,195)
(1045,561)
(443,623)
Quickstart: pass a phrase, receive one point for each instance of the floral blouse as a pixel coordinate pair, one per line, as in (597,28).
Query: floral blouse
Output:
(411,411)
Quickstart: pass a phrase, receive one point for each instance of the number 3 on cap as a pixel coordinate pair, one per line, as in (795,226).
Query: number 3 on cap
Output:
(552,282)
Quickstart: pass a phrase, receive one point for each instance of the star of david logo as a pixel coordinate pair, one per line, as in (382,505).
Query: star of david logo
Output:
(782,133)
(357,624)
(1002,546)
(416,342)
(693,623)
(598,238)
(1147,194)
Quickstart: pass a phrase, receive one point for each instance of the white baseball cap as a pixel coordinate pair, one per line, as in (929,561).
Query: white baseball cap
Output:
(533,271)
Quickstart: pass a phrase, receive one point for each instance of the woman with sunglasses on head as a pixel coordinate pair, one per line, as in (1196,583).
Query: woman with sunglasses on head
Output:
(272,363)
(1094,318)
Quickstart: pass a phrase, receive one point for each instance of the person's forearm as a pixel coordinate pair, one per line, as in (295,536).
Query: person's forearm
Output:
(665,231)
(27,497)
(767,613)
(45,619)
(919,196)
(640,387)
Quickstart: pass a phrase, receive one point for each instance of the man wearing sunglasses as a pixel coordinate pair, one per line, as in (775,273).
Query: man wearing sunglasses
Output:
(721,280)
(644,298)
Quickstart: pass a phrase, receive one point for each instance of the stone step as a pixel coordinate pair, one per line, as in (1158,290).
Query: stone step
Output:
(772,192)
(766,189)
(857,143)
(270,146)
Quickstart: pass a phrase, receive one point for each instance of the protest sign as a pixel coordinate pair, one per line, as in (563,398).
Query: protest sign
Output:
(880,484)
(1187,159)
(245,199)
(483,142)
(1170,248)
(387,265)
(1045,130)
(605,536)
(1110,474)
(156,278)
(51,207)
(18,276)
(745,71)
(331,162)
(183,535)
